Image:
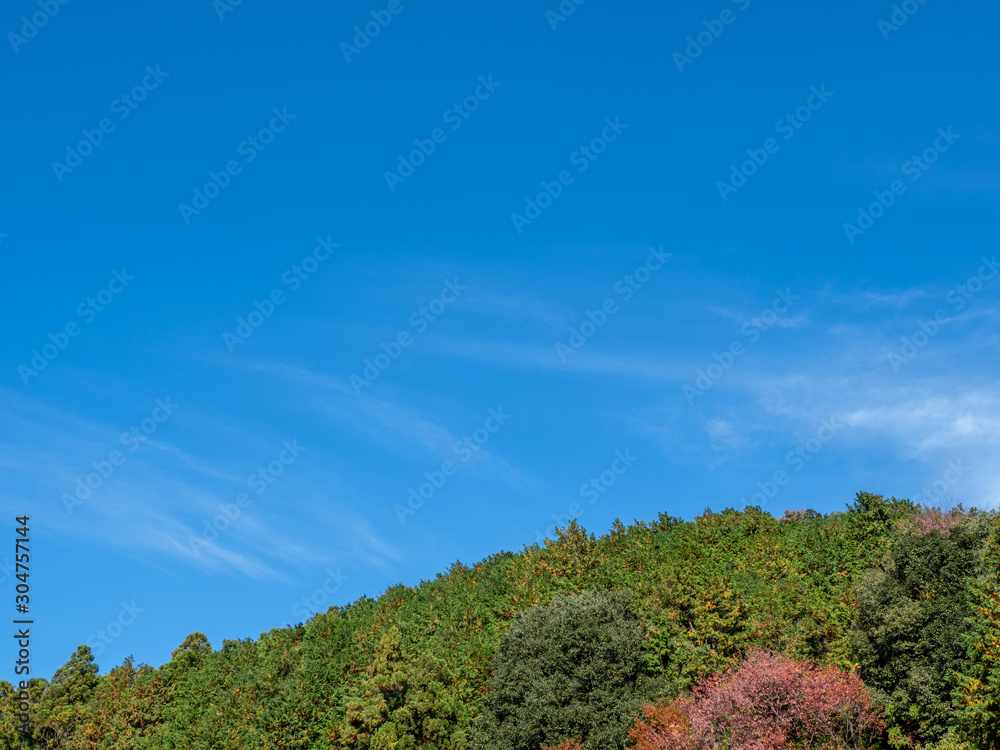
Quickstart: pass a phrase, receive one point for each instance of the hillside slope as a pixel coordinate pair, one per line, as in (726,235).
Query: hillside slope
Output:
(412,667)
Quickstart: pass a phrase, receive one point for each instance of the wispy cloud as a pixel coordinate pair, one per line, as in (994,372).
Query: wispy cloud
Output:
(552,318)
(391,423)
(544,357)
(160,497)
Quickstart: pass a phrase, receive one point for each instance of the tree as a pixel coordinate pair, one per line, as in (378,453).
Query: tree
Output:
(769,702)
(189,653)
(126,705)
(664,727)
(571,669)
(10,738)
(567,745)
(978,694)
(871,523)
(405,703)
(176,694)
(65,703)
(908,627)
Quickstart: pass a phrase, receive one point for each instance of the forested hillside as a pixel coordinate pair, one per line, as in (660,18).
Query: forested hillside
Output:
(875,627)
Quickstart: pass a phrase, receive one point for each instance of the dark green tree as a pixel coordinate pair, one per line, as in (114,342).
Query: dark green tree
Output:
(908,627)
(571,669)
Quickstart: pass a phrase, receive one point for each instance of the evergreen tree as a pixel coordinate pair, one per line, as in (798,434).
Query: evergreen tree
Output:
(126,709)
(405,704)
(907,632)
(66,701)
(571,669)
(978,695)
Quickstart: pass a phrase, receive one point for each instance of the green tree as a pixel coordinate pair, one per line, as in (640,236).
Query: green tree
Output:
(871,525)
(907,632)
(405,704)
(126,708)
(181,699)
(571,669)
(66,701)
(10,738)
(188,654)
(978,694)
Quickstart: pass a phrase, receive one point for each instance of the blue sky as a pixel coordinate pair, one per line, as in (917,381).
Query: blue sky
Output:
(599,269)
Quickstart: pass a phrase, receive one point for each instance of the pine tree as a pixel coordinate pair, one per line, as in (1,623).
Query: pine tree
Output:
(405,703)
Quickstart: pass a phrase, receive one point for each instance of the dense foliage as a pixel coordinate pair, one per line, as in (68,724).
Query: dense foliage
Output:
(572,669)
(906,598)
(979,693)
(911,614)
(769,701)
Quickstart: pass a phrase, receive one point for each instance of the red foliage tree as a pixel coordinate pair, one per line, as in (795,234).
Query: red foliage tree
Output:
(770,702)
